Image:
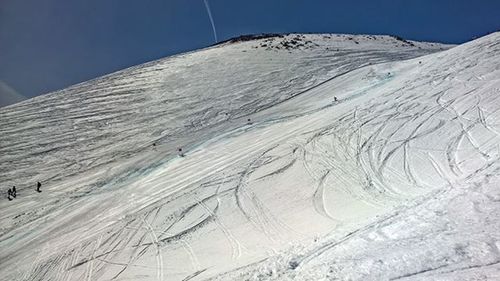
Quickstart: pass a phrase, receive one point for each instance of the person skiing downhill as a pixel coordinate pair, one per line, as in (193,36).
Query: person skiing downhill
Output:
(9,194)
(38,185)
(14,193)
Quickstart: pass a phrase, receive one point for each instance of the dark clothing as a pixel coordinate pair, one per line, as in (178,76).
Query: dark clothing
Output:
(9,194)
(38,185)
(14,193)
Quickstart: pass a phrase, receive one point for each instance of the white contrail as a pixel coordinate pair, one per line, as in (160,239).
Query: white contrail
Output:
(211,20)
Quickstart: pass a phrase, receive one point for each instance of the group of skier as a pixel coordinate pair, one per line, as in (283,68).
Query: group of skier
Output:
(12,193)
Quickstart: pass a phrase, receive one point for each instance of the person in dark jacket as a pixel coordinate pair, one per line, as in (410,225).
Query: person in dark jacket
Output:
(14,194)
(38,185)
(9,194)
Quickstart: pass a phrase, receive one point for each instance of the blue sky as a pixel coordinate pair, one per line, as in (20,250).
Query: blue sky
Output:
(51,44)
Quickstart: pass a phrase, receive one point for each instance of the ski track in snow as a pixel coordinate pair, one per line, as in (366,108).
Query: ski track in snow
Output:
(396,180)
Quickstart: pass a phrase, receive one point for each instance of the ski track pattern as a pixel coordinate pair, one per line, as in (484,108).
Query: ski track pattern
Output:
(407,243)
(366,146)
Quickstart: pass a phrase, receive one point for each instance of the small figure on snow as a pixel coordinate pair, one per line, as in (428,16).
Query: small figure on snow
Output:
(249,121)
(38,185)
(9,194)
(14,193)
(179,152)
(335,99)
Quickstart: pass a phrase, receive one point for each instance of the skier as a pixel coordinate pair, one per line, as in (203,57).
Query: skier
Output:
(335,99)
(38,185)
(9,194)
(14,194)
(179,152)
(249,121)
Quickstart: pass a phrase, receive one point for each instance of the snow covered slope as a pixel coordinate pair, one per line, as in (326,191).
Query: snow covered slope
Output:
(397,179)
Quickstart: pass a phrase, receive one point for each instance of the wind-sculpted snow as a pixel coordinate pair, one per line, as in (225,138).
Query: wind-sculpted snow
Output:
(397,179)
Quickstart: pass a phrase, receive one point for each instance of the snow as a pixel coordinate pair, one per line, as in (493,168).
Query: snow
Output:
(396,180)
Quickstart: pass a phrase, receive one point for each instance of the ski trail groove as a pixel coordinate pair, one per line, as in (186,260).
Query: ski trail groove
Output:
(159,257)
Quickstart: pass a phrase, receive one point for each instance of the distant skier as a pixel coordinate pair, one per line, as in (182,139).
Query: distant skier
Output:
(9,194)
(179,152)
(335,99)
(38,185)
(249,121)
(14,193)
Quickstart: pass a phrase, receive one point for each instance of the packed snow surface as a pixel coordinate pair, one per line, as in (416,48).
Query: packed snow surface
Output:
(305,157)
